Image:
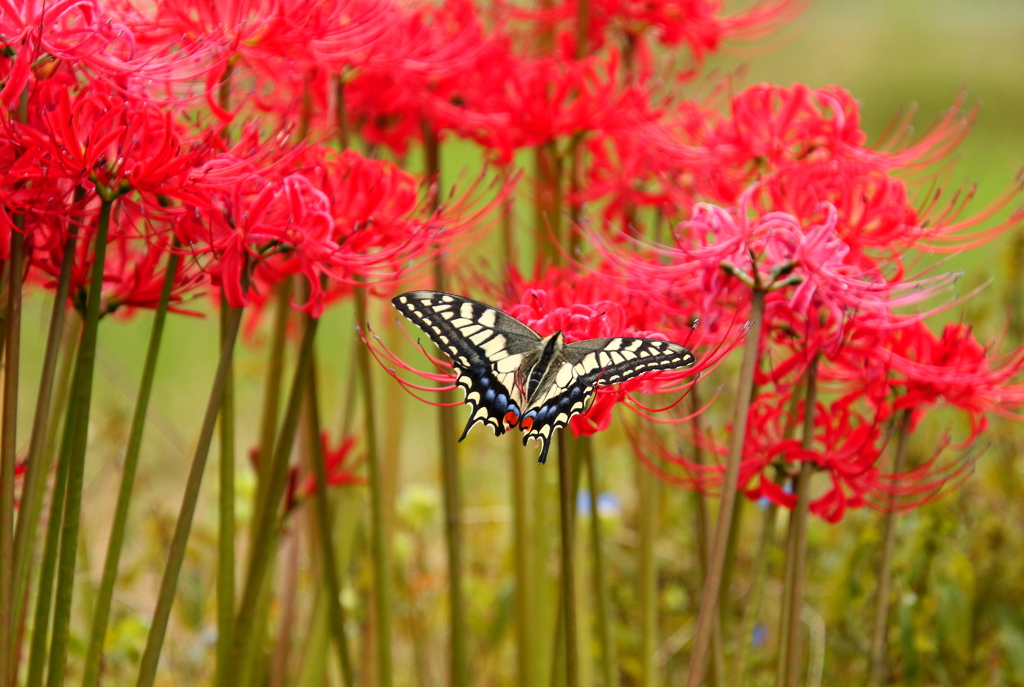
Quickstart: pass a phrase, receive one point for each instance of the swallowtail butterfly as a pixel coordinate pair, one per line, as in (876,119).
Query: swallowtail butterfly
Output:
(512,376)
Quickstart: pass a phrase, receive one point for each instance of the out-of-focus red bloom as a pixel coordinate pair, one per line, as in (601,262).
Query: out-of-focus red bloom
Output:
(699,25)
(340,465)
(439,68)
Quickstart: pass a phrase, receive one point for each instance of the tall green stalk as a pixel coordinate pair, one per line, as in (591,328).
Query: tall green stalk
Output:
(703,538)
(37,461)
(48,565)
(647,506)
(335,611)
(226,516)
(449,463)
(380,547)
(526,625)
(101,614)
(803,499)
(712,583)
(266,527)
(8,449)
(765,544)
(784,602)
(603,603)
(78,416)
(878,639)
(176,555)
(567,502)
(272,392)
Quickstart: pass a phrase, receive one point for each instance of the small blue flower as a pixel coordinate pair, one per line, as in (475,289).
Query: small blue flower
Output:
(583,502)
(759,635)
(608,504)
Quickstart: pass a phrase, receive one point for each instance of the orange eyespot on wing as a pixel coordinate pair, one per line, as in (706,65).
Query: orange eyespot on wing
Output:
(511,419)
(527,424)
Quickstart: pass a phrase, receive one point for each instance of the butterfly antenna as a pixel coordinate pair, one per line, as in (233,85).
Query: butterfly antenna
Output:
(576,324)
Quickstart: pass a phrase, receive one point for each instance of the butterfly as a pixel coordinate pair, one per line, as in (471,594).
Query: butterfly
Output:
(512,376)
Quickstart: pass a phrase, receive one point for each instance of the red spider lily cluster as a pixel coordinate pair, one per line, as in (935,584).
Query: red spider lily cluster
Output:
(218,133)
(803,214)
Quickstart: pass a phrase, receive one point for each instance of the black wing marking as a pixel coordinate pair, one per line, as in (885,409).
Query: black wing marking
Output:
(485,345)
(585,365)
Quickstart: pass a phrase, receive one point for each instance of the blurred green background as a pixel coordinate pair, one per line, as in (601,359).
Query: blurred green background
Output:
(959,618)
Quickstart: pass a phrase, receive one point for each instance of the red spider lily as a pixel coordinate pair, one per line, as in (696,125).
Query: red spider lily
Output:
(110,143)
(40,37)
(918,370)
(848,447)
(700,25)
(806,268)
(271,37)
(339,216)
(770,126)
(340,465)
(441,70)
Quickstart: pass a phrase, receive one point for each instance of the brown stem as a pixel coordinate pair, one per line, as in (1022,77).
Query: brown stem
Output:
(878,640)
(712,584)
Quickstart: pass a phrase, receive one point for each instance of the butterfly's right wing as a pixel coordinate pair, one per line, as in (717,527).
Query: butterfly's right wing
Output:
(485,345)
(586,365)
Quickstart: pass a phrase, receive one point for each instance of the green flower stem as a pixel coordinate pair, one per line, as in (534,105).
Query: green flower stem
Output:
(784,604)
(101,614)
(713,580)
(339,101)
(8,449)
(380,546)
(558,643)
(37,462)
(226,516)
(526,626)
(765,544)
(272,393)
(803,499)
(452,521)
(544,608)
(703,538)
(176,555)
(78,417)
(567,501)
(878,640)
(266,528)
(603,603)
(336,612)
(47,568)
(647,506)
(548,220)
(458,677)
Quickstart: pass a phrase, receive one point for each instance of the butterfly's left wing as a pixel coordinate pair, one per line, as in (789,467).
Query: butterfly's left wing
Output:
(585,365)
(485,345)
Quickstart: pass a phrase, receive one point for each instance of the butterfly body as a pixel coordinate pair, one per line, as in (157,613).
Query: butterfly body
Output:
(513,377)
